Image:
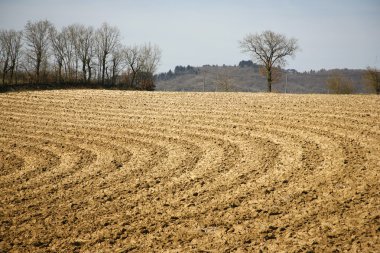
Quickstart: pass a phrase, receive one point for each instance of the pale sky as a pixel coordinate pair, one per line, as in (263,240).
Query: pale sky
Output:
(331,33)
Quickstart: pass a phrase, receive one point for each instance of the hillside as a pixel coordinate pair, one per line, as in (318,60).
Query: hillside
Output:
(123,171)
(248,78)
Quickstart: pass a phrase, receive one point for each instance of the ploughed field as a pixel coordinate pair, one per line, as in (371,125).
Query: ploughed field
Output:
(116,171)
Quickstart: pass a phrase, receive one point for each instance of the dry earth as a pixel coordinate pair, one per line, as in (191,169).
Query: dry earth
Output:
(113,171)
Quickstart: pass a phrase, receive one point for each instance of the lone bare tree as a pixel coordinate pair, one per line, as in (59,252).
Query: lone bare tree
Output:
(37,41)
(372,79)
(269,49)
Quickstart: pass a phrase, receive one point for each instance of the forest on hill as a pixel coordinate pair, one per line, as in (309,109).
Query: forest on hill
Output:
(248,77)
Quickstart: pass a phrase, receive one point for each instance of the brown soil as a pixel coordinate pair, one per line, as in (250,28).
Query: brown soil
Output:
(114,171)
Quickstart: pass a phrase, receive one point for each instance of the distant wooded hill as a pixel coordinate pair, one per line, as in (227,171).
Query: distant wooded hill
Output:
(246,77)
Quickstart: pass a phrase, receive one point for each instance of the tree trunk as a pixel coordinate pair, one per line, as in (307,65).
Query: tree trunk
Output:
(59,72)
(133,78)
(89,71)
(103,69)
(114,73)
(5,70)
(269,79)
(76,71)
(16,73)
(84,70)
(38,71)
(4,76)
(12,72)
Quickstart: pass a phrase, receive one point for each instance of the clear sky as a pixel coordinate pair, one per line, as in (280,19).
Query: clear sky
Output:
(331,33)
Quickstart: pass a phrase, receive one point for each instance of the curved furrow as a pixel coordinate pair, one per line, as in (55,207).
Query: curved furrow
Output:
(105,184)
(329,178)
(38,190)
(197,198)
(356,159)
(9,163)
(332,150)
(68,183)
(247,186)
(36,161)
(152,186)
(70,177)
(293,126)
(74,175)
(70,203)
(105,203)
(333,164)
(181,185)
(70,156)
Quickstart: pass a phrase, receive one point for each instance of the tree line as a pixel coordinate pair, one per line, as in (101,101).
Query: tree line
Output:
(75,55)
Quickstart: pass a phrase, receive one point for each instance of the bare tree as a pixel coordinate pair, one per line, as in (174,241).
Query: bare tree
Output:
(116,61)
(134,62)
(16,45)
(269,49)
(142,63)
(72,34)
(150,56)
(5,53)
(58,47)
(80,39)
(70,60)
(85,50)
(372,79)
(10,44)
(64,51)
(37,41)
(107,38)
(338,84)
